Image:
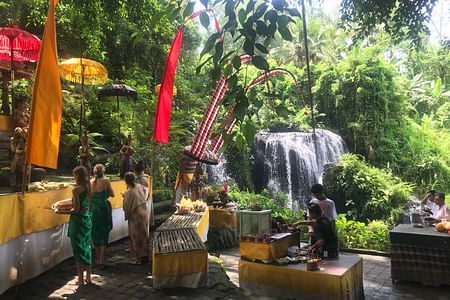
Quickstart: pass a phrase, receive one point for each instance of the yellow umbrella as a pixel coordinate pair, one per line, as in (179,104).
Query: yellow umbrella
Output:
(158,89)
(83,71)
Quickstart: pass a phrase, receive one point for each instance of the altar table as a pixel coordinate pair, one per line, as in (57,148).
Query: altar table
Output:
(420,254)
(337,279)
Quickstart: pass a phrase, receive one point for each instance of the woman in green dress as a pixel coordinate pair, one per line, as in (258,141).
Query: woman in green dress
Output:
(101,212)
(80,224)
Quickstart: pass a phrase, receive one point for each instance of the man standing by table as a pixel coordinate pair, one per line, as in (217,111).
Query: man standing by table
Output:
(323,236)
(327,205)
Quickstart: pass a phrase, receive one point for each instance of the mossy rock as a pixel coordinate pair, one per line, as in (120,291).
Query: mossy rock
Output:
(37,174)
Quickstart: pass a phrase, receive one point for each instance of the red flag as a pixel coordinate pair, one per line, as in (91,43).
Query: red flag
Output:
(162,118)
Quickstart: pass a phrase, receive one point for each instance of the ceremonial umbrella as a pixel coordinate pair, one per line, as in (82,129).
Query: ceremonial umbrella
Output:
(18,45)
(117,89)
(83,71)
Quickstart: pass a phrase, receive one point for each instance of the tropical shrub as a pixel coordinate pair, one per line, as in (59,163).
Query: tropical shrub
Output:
(424,156)
(276,204)
(161,195)
(366,193)
(354,234)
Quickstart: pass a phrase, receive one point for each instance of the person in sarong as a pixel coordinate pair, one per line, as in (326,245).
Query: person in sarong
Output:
(80,225)
(101,213)
(136,212)
(142,179)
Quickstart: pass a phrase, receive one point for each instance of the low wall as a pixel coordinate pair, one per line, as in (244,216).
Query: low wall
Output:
(33,238)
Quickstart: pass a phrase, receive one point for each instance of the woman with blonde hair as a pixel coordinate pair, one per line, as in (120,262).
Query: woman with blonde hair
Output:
(136,212)
(101,212)
(80,225)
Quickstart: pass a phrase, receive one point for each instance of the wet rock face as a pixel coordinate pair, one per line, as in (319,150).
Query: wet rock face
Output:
(291,162)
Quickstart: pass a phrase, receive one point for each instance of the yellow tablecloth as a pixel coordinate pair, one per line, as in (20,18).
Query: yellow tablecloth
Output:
(184,268)
(31,212)
(203,225)
(268,251)
(336,279)
(180,263)
(221,217)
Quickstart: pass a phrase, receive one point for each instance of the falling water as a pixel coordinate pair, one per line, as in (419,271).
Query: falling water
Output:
(287,162)
(217,173)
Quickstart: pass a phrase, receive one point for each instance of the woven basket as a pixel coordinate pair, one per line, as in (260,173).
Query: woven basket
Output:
(312,264)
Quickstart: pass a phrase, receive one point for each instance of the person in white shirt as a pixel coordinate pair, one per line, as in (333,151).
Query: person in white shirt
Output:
(327,205)
(443,212)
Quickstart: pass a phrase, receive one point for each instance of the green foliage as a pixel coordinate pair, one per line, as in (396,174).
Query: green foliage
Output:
(160,195)
(368,193)
(22,88)
(354,234)
(251,25)
(402,19)
(360,97)
(276,204)
(424,157)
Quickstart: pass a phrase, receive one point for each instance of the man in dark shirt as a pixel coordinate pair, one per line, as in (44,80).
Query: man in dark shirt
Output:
(324,238)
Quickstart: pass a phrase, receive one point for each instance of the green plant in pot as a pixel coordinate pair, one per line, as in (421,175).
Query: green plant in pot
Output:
(256,205)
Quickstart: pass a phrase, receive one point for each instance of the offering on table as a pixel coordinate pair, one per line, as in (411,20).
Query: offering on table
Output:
(185,206)
(282,261)
(443,226)
(298,259)
(199,205)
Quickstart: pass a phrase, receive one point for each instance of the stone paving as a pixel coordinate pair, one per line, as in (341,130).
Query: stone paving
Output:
(121,280)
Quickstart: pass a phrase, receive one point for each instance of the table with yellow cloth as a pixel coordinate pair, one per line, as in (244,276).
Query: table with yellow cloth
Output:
(337,279)
(269,251)
(180,257)
(194,220)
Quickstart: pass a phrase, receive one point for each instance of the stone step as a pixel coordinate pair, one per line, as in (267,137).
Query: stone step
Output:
(5,145)
(5,136)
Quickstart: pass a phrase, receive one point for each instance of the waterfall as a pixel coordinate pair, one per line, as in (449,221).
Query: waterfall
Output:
(287,162)
(217,173)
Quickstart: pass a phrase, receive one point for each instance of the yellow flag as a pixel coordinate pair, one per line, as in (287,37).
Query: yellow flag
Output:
(46,106)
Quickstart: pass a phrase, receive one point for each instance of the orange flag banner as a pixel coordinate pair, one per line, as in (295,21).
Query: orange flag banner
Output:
(46,106)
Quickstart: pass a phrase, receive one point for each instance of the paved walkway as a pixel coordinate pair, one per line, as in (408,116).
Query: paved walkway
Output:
(120,280)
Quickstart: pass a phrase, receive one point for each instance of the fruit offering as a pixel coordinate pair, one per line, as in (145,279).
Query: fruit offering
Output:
(199,205)
(443,226)
(185,206)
